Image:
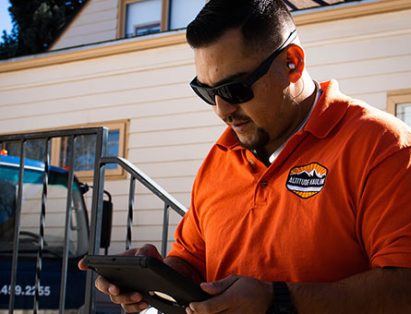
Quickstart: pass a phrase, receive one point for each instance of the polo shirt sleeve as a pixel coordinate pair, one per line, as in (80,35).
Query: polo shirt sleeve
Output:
(384,218)
(189,243)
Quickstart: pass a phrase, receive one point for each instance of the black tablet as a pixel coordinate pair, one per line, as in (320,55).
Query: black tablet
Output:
(161,286)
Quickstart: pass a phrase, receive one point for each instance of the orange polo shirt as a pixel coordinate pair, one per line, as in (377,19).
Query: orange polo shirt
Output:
(335,202)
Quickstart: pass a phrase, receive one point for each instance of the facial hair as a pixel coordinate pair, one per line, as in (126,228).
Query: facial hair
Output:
(262,140)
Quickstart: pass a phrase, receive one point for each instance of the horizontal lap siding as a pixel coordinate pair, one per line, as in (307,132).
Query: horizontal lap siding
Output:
(370,56)
(96,22)
(170,129)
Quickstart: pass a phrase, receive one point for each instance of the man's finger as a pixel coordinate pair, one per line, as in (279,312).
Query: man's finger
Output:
(149,250)
(213,305)
(81,265)
(130,252)
(219,286)
(131,298)
(133,308)
(106,287)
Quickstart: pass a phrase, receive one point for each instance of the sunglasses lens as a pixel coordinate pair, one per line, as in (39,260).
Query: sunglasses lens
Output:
(236,93)
(204,94)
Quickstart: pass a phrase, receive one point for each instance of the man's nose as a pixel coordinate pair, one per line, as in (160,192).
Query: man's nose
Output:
(224,108)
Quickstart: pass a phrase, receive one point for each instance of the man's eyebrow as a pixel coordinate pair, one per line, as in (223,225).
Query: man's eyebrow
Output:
(224,80)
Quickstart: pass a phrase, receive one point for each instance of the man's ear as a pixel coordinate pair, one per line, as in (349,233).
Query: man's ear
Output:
(295,62)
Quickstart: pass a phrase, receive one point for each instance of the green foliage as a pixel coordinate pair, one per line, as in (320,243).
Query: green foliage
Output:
(36,24)
(8,45)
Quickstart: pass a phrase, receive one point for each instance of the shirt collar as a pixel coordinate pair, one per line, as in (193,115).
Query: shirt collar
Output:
(330,109)
(228,140)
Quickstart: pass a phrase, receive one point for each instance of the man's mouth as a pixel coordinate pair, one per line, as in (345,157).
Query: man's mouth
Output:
(239,126)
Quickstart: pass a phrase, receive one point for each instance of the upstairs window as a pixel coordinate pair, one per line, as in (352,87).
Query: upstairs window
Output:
(143,17)
(399,104)
(404,112)
(182,12)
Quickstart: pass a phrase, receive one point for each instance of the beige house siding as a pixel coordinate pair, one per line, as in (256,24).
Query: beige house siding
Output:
(96,22)
(369,56)
(170,129)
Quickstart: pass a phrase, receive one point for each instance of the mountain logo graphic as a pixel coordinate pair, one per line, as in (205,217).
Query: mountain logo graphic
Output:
(308,180)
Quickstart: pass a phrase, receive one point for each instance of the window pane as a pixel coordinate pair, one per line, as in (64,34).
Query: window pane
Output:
(85,151)
(183,12)
(113,146)
(113,141)
(33,149)
(404,112)
(143,17)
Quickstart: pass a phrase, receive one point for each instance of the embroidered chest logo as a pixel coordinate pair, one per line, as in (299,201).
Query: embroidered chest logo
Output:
(307,180)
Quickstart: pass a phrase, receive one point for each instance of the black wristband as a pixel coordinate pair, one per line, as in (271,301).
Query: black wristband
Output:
(282,303)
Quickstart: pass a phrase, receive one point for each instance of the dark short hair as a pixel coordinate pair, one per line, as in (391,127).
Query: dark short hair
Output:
(263,22)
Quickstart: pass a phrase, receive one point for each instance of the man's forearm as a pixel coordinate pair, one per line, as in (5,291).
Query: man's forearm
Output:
(375,291)
(184,268)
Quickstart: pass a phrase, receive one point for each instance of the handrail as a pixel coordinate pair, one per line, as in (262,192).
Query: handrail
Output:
(139,175)
(135,174)
(147,182)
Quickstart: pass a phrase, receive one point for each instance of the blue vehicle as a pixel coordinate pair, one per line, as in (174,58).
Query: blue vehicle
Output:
(29,239)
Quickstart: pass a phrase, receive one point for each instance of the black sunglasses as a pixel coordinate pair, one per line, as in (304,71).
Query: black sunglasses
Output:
(239,90)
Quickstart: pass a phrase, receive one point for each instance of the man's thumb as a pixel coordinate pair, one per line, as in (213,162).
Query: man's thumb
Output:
(219,286)
(149,250)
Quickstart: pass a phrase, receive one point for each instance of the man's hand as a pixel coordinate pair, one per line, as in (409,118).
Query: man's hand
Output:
(130,302)
(234,294)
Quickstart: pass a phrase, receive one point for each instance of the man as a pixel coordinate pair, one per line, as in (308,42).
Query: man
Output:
(303,204)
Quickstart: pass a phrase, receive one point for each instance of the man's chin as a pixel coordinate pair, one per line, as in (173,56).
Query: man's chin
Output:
(245,142)
(252,143)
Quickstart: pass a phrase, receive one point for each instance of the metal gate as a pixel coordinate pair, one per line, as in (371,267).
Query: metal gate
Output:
(99,163)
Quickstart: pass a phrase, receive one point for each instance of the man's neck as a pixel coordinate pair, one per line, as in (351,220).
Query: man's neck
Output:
(303,110)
